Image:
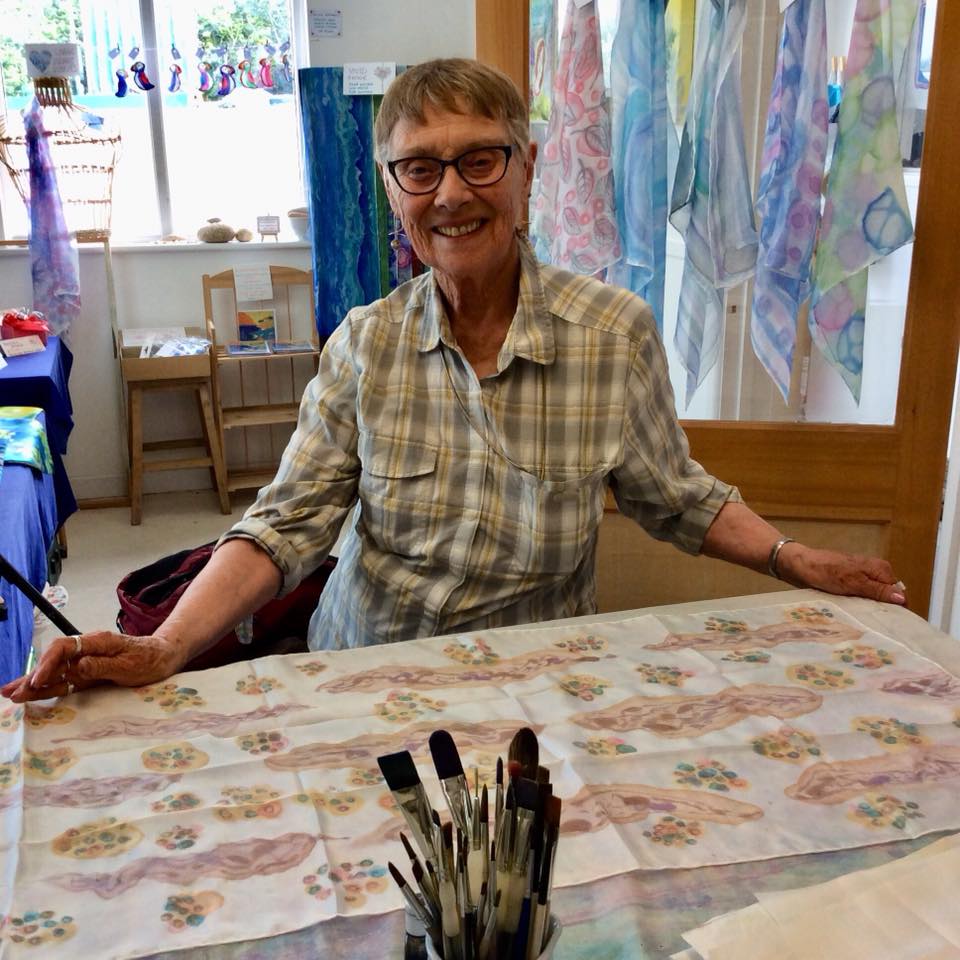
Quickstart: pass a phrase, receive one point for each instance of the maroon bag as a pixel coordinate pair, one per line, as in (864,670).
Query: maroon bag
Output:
(148,595)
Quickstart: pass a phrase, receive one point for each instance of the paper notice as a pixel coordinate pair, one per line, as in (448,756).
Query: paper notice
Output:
(363,79)
(325,23)
(253,283)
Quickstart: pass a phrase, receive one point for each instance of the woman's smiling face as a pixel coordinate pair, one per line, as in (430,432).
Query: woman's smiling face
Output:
(464,233)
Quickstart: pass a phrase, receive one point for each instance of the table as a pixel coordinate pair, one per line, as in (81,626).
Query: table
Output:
(40,380)
(638,913)
(28,524)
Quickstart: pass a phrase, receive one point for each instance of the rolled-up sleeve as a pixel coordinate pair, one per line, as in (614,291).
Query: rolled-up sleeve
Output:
(297,517)
(657,483)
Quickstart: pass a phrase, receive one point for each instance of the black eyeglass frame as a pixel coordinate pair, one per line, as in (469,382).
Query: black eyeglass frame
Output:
(455,163)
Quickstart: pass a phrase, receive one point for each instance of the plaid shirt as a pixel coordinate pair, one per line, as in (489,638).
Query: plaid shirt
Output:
(479,500)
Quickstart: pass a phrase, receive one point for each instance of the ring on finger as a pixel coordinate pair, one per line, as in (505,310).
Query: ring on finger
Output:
(78,644)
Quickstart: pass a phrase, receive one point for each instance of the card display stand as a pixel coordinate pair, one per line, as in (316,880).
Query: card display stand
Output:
(257,395)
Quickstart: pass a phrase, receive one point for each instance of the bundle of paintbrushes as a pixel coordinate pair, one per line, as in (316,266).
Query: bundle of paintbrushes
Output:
(482,891)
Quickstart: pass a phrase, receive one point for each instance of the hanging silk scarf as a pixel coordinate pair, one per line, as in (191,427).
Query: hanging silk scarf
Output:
(866,214)
(53,258)
(575,222)
(640,132)
(543,54)
(712,206)
(788,203)
(679,19)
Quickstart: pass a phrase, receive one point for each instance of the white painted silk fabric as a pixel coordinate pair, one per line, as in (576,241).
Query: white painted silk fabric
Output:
(246,801)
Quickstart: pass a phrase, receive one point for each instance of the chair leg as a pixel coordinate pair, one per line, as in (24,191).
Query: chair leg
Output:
(136,454)
(212,437)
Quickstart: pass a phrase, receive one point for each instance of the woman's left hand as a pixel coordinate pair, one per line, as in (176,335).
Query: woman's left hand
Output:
(844,574)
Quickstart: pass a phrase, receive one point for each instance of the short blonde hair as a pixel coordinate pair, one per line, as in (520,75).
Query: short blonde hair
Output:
(456,85)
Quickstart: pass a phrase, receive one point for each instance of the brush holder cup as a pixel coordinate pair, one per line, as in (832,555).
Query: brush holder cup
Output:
(554,928)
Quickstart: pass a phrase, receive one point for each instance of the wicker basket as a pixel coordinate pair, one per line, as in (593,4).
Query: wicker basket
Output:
(85,156)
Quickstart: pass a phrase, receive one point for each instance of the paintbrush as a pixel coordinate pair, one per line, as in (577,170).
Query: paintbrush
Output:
(429,892)
(446,759)
(466,915)
(426,888)
(446,882)
(413,901)
(484,819)
(488,940)
(525,749)
(498,805)
(541,910)
(400,772)
(522,938)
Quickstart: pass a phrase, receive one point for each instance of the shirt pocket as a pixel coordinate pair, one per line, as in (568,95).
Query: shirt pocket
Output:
(398,494)
(557,519)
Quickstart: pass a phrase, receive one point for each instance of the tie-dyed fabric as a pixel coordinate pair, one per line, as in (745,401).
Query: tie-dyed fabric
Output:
(24,438)
(575,222)
(788,205)
(866,214)
(53,258)
(640,132)
(712,205)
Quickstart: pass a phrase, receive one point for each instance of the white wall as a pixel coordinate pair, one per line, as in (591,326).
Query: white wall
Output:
(156,286)
(160,286)
(403,33)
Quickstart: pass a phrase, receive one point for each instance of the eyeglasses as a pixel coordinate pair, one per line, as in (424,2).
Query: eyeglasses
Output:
(481,167)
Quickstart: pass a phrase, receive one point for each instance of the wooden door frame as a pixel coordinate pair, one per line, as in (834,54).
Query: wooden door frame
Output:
(890,475)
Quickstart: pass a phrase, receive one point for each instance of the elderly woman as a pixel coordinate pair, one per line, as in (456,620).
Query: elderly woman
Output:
(478,414)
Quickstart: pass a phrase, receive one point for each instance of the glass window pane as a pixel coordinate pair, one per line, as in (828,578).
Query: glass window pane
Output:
(738,387)
(99,29)
(234,156)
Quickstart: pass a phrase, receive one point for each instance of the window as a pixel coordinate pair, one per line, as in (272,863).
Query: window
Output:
(738,388)
(217,136)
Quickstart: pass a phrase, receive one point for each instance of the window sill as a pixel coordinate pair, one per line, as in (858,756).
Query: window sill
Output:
(158,246)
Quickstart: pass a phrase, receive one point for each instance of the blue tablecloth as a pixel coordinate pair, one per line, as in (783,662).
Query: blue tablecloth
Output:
(28,524)
(40,380)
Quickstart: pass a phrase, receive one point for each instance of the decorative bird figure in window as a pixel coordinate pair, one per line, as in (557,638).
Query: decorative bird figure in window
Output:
(247,77)
(140,77)
(227,80)
(121,83)
(206,78)
(175,71)
(266,74)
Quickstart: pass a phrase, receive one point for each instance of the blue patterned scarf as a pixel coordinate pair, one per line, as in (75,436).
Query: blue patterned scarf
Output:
(640,132)
(788,203)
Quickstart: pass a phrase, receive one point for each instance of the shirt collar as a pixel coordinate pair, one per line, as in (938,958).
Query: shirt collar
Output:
(531,333)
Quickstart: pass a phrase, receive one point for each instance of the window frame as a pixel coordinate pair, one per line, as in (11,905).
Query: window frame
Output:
(299,46)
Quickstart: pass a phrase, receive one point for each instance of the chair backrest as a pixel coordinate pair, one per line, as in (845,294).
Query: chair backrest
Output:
(261,382)
(292,304)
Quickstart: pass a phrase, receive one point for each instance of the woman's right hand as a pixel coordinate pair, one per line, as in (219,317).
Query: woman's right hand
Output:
(74,663)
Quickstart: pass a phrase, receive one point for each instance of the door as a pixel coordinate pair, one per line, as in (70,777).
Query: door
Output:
(866,488)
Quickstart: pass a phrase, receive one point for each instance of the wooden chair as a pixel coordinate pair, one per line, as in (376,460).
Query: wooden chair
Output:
(257,398)
(150,375)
